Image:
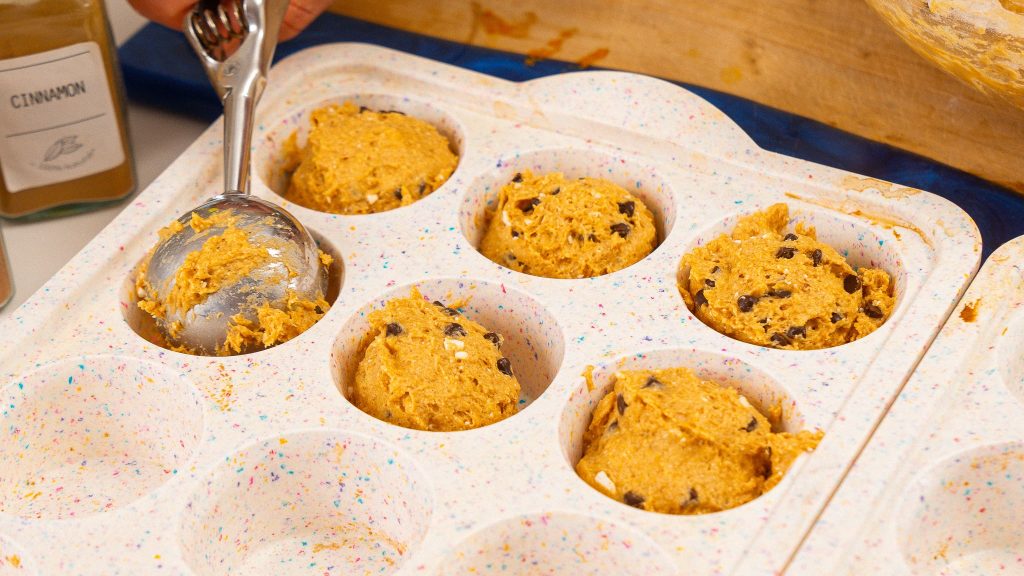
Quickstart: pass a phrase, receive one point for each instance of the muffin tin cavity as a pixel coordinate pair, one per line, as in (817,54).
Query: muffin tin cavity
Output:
(270,160)
(552,544)
(13,561)
(854,238)
(962,516)
(307,502)
(758,387)
(533,340)
(639,179)
(146,327)
(93,434)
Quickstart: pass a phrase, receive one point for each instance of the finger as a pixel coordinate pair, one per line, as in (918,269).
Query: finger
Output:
(300,14)
(170,13)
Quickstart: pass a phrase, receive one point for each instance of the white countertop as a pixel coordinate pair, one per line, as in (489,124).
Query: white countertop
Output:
(37,250)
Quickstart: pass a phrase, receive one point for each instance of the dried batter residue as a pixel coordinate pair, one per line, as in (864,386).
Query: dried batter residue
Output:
(550,48)
(970,311)
(495,25)
(592,58)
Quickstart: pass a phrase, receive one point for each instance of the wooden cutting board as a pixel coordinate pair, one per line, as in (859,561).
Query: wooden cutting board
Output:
(837,62)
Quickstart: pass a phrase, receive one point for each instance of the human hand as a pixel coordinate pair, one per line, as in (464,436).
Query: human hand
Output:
(171,13)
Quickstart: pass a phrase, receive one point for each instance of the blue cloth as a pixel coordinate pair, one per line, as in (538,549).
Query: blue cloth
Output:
(160,69)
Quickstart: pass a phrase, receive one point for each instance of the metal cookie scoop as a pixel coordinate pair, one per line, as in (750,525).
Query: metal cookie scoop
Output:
(248,31)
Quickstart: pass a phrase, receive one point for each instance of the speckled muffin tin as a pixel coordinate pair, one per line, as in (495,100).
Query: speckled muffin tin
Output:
(121,457)
(939,490)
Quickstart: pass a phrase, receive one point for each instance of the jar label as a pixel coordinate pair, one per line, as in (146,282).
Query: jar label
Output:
(57,118)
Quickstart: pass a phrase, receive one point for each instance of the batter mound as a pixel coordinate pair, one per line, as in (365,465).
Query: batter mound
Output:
(223,260)
(358,161)
(425,366)
(783,290)
(558,228)
(667,441)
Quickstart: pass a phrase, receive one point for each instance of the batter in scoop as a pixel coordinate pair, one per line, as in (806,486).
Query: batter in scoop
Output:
(667,441)
(559,228)
(781,289)
(222,260)
(426,366)
(359,161)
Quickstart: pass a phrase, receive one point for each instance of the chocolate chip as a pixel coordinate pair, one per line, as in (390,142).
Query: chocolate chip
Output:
(872,311)
(780,339)
(592,238)
(445,309)
(620,404)
(779,293)
(763,462)
(786,252)
(653,382)
(752,425)
(851,283)
(398,193)
(555,191)
(790,236)
(493,338)
(504,366)
(622,229)
(816,257)
(627,208)
(515,234)
(454,330)
(518,177)
(796,332)
(393,329)
(633,499)
(699,299)
(836,317)
(746,303)
(510,257)
(692,499)
(527,204)
(614,426)
(715,270)
(363,109)
(709,282)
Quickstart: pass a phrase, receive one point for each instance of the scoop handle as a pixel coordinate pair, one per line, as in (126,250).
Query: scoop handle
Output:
(239,80)
(244,75)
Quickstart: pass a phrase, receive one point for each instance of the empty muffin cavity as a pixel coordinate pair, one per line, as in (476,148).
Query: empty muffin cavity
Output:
(337,185)
(526,339)
(757,390)
(562,227)
(962,515)
(817,291)
(143,323)
(307,502)
(93,434)
(556,543)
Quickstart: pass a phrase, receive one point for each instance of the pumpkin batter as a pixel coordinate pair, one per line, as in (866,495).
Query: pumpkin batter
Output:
(558,228)
(358,161)
(783,290)
(425,366)
(221,261)
(667,441)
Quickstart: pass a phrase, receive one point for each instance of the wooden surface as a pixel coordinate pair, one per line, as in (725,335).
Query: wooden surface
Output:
(835,61)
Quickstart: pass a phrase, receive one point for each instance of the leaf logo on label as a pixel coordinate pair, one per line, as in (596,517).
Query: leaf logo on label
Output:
(65,145)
